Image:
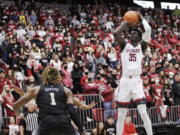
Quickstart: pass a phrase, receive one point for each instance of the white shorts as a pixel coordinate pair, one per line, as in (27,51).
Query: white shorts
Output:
(129,88)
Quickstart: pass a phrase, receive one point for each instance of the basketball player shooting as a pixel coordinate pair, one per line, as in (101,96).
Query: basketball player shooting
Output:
(131,85)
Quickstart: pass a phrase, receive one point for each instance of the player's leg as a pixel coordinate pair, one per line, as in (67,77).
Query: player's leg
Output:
(146,120)
(139,98)
(120,121)
(122,98)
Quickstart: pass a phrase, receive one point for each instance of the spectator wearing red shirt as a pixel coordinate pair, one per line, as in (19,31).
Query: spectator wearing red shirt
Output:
(84,78)
(90,87)
(152,74)
(105,91)
(148,91)
(8,101)
(157,89)
(129,127)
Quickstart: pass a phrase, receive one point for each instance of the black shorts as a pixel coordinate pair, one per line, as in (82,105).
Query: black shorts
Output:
(56,133)
(55,125)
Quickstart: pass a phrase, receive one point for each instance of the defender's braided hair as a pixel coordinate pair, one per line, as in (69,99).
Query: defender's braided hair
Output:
(50,76)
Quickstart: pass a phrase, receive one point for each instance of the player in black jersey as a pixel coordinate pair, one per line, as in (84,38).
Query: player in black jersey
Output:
(55,104)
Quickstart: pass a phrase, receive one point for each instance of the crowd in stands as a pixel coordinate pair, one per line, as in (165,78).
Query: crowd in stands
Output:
(79,42)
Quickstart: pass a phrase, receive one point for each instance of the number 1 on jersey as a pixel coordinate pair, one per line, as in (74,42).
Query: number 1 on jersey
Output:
(53,102)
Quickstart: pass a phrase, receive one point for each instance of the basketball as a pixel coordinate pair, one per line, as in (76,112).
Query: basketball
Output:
(131,17)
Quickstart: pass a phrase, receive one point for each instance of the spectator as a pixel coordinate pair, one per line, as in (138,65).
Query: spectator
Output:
(35,51)
(129,127)
(8,101)
(112,57)
(148,92)
(90,86)
(2,82)
(113,78)
(70,63)
(84,78)
(176,89)
(157,89)
(168,96)
(21,32)
(41,32)
(76,77)
(105,91)
(22,18)
(13,127)
(4,49)
(110,127)
(99,130)
(31,33)
(67,79)
(55,62)
(91,61)
(49,22)
(33,18)
(101,60)
(18,75)
(75,22)
(109,25)
(163,109)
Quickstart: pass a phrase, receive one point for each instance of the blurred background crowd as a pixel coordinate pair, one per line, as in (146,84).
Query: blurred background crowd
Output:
(79,42)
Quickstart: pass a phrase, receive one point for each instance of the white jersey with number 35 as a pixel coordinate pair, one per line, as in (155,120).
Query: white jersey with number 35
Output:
(131,60)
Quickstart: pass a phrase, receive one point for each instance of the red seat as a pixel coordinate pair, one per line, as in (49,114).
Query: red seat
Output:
(98,114)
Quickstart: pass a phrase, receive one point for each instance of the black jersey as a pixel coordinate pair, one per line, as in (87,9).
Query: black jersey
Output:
(53,115)
(52,100)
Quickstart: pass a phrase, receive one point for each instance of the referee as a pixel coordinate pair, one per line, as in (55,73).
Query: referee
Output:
(29,123)
(55,103)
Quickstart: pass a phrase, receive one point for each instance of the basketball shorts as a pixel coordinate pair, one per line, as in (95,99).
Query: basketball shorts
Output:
(129,88)
(55,125)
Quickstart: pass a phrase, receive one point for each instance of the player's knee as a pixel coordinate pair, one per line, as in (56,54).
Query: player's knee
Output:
(143,113)
(122,114)
(142,110)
